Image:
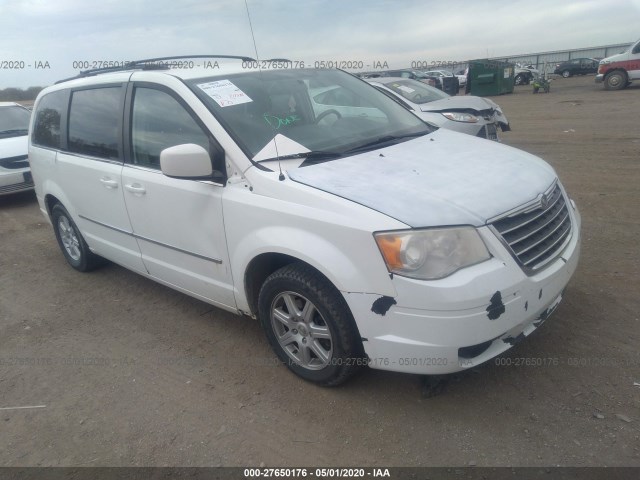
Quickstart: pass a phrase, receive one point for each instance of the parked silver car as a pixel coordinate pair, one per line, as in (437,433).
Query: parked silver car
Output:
(476,116)
(15,175)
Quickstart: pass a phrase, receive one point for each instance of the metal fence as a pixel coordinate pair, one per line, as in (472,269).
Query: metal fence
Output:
(550,59)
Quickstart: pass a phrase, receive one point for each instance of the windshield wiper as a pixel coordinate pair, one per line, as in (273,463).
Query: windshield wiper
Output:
(14,130)
(308,156)
(385,139)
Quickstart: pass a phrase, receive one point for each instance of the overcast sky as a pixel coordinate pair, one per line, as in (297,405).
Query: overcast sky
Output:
(63,31)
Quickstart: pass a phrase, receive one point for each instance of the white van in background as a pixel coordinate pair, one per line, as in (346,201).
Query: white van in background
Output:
(618,71)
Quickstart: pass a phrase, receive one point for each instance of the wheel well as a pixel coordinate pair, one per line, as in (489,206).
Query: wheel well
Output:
(621,70)
(50,201)
(259,269)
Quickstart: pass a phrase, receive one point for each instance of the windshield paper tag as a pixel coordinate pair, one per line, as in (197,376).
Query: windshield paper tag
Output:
(405,89)
(224,93)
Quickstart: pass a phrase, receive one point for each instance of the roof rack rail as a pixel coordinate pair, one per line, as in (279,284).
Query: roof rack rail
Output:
(148,64)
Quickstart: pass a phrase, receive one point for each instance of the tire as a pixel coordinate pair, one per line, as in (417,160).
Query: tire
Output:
(520,80)
(74,248)
(309,325)
(566,73)
(616,80)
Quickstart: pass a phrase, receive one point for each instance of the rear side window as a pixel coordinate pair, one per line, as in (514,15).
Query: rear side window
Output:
(95,122)
(159,121)
(46,129)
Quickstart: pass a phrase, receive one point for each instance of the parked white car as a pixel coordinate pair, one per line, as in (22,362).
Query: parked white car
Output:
(477,116)
(462,79)
(362,237)
(15,175)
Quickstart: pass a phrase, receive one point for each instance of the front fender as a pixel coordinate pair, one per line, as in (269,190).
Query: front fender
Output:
(344,267)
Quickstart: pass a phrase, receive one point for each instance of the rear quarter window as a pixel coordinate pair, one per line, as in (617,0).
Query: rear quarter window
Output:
(48,117)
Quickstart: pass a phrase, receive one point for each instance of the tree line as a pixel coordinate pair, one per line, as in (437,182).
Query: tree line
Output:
(12,94)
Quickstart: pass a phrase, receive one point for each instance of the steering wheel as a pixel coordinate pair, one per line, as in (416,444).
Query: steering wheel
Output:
(328,112)
(417,97)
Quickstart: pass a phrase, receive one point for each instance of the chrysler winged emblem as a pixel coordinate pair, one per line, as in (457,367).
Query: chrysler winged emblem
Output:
(544,201)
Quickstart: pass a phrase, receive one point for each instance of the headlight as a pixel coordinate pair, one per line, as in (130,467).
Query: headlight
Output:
(431,254)
(460,117)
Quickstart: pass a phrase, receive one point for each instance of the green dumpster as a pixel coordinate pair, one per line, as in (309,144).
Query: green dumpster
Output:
(489,77)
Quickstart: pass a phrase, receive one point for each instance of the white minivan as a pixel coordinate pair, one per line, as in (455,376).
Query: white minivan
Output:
(363,238)
(618,71)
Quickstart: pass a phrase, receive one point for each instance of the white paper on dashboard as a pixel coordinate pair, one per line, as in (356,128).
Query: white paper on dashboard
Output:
(224,93)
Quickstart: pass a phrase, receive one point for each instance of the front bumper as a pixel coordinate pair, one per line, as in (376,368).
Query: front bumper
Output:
(463,320)
(600,78)
(482,129)
(14,181)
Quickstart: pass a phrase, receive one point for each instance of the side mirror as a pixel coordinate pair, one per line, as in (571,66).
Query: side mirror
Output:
(187,161)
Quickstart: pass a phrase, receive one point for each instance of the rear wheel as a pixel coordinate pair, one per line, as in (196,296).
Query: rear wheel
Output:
(74,248)
(520,80)
(615,80)
(309,325)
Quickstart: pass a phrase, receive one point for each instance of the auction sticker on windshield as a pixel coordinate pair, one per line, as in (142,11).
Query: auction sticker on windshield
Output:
(405,89)
(225,93)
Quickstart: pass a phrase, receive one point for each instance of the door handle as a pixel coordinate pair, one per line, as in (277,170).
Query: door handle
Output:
(109,183)
(135,188)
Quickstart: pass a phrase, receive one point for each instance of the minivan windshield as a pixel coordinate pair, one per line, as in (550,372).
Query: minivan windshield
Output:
(14,121)
(305,113)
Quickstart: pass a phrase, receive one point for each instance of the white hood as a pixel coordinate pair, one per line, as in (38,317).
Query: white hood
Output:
(13,146)
(445,178)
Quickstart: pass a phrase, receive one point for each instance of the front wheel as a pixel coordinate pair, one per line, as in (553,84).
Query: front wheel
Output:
(309,325)
(566,74)
(74,248)
(615,80)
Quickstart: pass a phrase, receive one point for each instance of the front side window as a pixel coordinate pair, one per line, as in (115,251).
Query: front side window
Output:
(159,121)
(338,96)
(94,122)
(46,129)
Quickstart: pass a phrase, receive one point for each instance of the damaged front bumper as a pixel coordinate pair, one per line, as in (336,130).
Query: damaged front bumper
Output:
(463,320)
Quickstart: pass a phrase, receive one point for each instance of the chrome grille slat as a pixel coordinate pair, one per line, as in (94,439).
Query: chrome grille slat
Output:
(536,236)
(513,242)
(535,244)
(562,237)
(538,215)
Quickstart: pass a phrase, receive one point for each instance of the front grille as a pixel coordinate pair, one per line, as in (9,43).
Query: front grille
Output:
(16,187)
(487,114)
(488,131)
(15,162)
(536,236)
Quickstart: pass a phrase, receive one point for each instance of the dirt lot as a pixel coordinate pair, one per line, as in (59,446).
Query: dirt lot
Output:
(132,373)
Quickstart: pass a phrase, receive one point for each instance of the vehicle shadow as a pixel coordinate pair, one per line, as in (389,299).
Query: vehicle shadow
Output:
(17,200)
